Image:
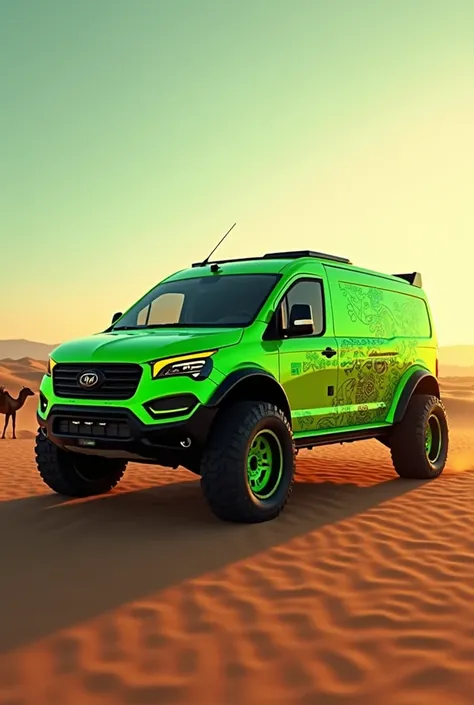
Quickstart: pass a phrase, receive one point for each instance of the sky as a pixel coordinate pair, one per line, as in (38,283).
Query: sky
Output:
(134,133)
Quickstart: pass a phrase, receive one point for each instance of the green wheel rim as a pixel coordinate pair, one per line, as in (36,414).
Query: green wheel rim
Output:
(264,464)
(433,439)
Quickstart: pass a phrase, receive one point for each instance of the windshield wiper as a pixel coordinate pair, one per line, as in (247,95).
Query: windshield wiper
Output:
(180,325)
(128,327)
(156,325)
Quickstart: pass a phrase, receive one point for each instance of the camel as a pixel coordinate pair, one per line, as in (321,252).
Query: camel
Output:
(9,406)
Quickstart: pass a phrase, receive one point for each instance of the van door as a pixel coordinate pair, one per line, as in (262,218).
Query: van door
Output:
(308,364)
(378,329)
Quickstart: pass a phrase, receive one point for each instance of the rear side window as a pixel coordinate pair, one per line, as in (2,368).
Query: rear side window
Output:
(365,311)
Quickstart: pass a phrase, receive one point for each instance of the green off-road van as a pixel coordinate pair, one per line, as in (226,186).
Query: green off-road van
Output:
(229,367)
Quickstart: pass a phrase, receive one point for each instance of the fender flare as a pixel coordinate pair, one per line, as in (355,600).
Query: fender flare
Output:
(420,377)
(244,374)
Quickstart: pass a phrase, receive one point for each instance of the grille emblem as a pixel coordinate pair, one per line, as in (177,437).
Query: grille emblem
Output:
(88,380)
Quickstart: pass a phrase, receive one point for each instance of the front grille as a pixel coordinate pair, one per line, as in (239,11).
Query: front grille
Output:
(116,381)
(92,428)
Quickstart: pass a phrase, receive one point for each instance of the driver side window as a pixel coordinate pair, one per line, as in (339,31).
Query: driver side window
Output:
(309,292)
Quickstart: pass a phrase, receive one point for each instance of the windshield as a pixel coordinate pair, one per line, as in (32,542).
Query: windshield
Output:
(231,300)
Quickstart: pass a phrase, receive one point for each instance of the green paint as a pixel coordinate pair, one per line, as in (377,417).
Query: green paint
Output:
(264,464)
(335,428)
(379,326)
(382,314)
(428,439)
(433,438)
(309,390)
(403,380)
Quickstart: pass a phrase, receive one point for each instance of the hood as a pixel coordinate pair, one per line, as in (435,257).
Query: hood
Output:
(145,345)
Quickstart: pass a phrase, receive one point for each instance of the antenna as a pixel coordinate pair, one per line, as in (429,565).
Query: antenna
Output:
(215,248)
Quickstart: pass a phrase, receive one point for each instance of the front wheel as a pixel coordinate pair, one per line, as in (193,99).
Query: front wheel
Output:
(248,467)
(419,443)
(75,475)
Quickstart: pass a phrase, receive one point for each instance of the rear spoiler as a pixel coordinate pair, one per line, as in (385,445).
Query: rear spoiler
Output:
(413,278)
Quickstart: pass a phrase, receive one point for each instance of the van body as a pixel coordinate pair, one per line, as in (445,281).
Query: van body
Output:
(333,352)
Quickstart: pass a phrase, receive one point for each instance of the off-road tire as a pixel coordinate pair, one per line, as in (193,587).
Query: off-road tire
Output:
(224,477)
(60,470)
(410,457)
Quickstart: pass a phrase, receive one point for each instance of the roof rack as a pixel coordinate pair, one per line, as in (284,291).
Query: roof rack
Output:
(297,254)
(413,278)
(305,253)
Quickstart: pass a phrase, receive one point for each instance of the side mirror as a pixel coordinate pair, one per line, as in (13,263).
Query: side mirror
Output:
(301,320)
(116,316)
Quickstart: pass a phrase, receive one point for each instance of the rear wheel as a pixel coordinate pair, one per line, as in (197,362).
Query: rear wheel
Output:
(76,475)
(248,467)
(419,443)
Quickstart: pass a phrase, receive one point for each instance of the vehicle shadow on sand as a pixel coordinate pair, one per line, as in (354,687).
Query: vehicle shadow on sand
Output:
(67,561)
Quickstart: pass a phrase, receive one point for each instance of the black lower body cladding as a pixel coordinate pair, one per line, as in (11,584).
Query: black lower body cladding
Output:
(118,433)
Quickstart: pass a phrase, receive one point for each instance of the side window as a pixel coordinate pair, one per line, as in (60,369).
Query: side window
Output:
(306,292)
(163,310)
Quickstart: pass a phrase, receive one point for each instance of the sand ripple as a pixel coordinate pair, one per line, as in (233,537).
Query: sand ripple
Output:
(361,592)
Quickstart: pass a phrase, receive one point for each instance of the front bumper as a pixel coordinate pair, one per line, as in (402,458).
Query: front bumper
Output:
(117,432)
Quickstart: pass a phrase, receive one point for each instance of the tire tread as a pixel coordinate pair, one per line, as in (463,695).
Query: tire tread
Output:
(221,484)
(407,442)
(56,469)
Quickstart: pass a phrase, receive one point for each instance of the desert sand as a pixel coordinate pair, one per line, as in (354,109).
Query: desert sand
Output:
(361,592)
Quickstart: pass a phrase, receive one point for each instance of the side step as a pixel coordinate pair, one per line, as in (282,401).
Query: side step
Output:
(340,437)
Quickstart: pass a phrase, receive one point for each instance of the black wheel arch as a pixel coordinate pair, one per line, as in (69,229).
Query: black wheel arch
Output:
(420,382)
(251,384)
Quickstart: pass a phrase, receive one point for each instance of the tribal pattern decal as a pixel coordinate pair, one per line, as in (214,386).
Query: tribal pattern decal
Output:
(370,368)
(385,314)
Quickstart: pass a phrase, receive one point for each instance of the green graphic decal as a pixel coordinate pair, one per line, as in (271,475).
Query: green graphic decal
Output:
(370,370)
(296,368)
(386,314)
(308,390)
(369,376)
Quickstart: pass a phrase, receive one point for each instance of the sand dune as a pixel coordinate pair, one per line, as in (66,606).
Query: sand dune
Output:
(458,397)
(20,348)
(360,593)
(456,371)
(457,355)
(23,372)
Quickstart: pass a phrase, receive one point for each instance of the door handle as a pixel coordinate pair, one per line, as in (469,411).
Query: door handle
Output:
(329,352)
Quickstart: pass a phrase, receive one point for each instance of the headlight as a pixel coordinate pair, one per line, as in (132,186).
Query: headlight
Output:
(51,364)
(197,365)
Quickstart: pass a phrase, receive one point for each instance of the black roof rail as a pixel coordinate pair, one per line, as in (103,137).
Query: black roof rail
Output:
(296,254)
(413,278)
